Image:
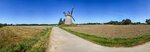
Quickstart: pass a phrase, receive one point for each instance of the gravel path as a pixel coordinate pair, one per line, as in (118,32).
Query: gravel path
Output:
(62,41)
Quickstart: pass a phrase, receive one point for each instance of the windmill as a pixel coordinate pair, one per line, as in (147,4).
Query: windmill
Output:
(68,17)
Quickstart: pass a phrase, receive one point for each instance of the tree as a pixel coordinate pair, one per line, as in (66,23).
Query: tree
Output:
(126,22)
(113,22)
(147,21)
(1,25)
(136,23)
(63,22)
(5,24)
(60,21)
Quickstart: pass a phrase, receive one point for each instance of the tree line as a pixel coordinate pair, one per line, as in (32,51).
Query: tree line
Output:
(123,22)
(5,24)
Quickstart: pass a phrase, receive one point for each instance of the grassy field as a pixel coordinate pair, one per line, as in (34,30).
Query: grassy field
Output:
(113,35)
(24,38)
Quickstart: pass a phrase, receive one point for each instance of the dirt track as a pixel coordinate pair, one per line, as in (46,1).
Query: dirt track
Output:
(62,41)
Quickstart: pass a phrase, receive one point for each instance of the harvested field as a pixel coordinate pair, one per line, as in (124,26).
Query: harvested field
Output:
(113,35)
(122,31)
(23,38)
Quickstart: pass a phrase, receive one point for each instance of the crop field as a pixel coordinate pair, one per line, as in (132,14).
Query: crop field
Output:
(113,30)
(113,35)
(24,38)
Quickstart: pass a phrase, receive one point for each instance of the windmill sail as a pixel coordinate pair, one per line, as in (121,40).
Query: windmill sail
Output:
(72,11)
(73,18)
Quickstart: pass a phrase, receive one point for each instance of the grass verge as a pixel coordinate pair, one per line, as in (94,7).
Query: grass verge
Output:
(36,43)
(113,42)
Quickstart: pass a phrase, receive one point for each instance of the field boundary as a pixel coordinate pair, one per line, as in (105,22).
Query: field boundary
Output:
(112,42)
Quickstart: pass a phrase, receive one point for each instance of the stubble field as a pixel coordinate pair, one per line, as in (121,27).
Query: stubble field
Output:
(24,38)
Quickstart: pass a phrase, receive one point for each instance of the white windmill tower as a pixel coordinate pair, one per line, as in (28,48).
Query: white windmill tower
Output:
(68,17)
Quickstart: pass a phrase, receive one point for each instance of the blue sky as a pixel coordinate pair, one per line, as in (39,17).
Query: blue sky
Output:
(50,11)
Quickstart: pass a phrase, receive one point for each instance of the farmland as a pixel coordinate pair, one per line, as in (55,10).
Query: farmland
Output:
(113,35)
(113,30)
(24,38)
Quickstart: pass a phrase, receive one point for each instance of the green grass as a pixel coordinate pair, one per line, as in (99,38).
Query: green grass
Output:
(41,45)
(113,42)
(35,43)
